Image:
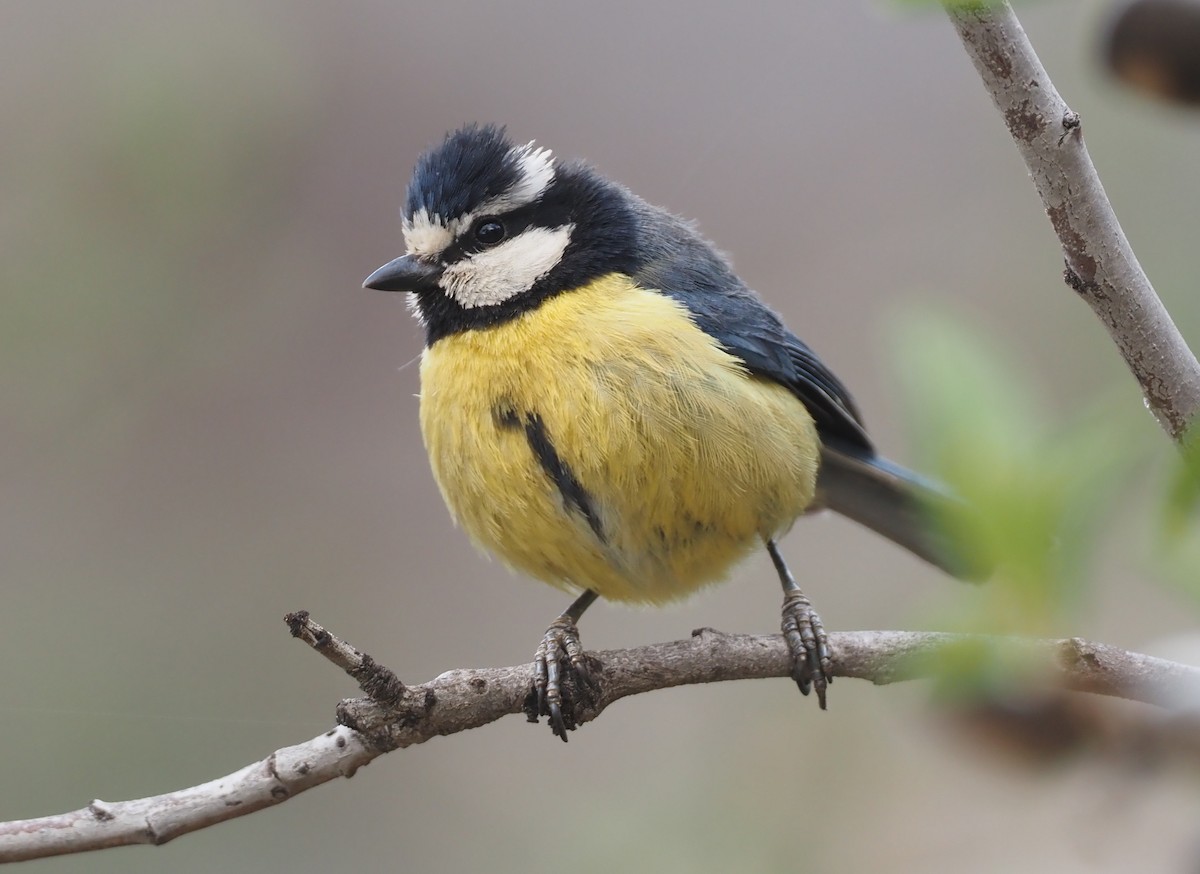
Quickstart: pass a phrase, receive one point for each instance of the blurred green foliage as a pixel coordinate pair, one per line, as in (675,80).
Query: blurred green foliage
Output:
(1178,543)
(1044,486)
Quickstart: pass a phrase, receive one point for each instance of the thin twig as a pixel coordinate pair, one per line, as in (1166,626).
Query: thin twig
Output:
(1100,264)
(376,681)
(160,818)
(462,699)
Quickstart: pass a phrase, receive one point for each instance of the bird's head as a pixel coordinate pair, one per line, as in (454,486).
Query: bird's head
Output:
(492,229)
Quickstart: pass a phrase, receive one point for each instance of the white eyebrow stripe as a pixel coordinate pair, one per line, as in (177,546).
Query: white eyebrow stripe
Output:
(535,172)
(428,235)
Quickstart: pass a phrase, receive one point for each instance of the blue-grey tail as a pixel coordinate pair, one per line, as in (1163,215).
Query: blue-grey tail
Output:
(903,506)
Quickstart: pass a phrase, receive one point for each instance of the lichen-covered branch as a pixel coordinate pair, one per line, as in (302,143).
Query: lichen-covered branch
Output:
(1100,265)
(469,698)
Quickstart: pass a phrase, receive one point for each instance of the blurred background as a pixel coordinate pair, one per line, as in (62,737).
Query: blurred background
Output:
(205,422)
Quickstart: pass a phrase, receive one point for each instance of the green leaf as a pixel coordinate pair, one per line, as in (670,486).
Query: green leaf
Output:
(1038,484)
(1178,540)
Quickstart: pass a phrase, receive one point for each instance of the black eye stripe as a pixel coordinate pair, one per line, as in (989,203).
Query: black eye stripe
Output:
(515,222)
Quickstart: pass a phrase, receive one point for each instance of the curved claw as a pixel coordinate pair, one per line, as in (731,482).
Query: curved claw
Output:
(560,653)
(809,646)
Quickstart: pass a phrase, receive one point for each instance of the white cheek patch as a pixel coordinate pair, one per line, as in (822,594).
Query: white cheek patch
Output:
(495,275)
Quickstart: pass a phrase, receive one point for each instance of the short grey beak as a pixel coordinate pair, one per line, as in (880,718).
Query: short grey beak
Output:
(404,274)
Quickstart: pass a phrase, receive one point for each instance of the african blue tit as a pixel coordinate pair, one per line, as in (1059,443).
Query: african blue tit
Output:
(608,408)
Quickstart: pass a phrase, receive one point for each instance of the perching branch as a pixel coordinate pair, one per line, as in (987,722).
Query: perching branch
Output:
(1100,265)
(462,699)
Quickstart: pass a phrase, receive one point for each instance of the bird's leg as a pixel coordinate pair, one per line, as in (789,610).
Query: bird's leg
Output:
(804,633)
(559,651)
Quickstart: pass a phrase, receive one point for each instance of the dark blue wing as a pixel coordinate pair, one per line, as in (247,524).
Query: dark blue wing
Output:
(681,264)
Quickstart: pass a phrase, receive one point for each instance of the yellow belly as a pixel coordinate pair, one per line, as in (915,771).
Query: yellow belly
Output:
(687,460)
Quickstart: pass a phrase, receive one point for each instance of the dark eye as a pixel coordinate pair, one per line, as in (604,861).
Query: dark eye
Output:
(489,232)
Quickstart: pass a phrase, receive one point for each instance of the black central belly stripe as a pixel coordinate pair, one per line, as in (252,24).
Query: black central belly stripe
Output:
(574,494)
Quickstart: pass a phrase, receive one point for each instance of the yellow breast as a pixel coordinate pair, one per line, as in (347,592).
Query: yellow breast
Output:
(672,461)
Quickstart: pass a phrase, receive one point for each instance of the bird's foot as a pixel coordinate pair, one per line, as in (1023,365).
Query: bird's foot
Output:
(808,644)
(561,677)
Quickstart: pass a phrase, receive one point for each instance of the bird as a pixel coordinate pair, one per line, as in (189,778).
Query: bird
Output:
(608,408)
